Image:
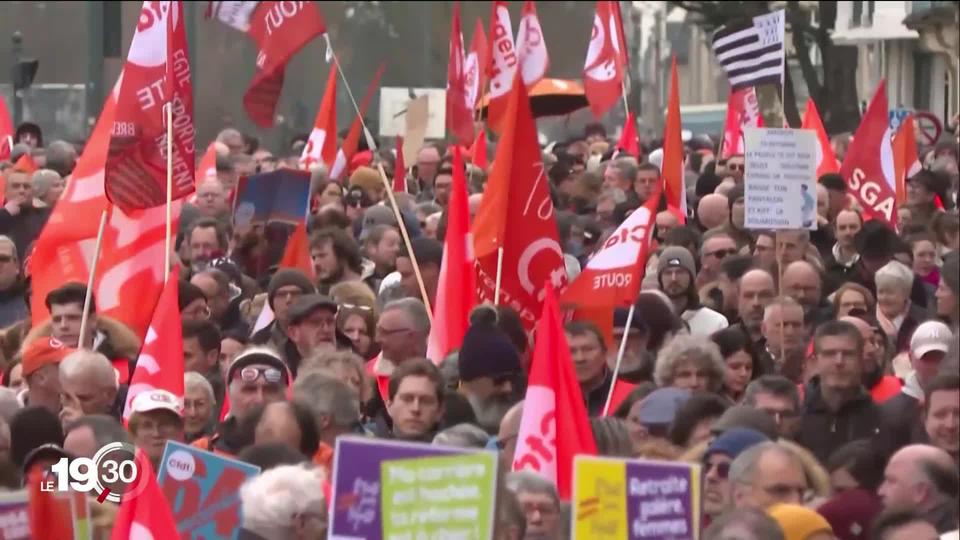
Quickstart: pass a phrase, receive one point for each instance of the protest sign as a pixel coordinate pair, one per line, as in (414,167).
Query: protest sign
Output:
(780,179)
(14,515)
(277,196)
(629,499)
(203,490)
(391,489)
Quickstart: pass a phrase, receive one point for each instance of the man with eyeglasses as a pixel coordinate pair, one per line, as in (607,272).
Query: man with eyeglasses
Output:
(312,325)
(784,338)
(401,333)
(157,417)
(285,288)
(837,409)
(13,307)
(766,474)
(540,502)
(716,246)
(716,467)
(778,397)
(257,376)
(489,369)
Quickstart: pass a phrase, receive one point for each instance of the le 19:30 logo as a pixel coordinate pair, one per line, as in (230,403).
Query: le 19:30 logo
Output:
(113,474)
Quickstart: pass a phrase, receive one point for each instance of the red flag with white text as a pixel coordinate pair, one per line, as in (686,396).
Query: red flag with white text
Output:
(905,160)
(459,111)
(603,68)
(743,111)
(612,276)
(531,47)
(279,30)
(321,147)
(148,515)
(554,426)
(6,130)
(156,75)
(826,159)
(352,141)
(503,64)
(671,168)
(457,288)
(517,201)
(476,65)
(160,363)
(868,165)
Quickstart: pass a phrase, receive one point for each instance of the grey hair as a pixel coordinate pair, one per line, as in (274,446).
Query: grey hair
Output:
(780,303)
(9,405)
(710,235)
(627,168)
(273,499)
(106,429)
(697,349)
(733,524)
(41,181)
(192,379)
(414,309)
(776,385)
(325,395)
(388,295)
(895,274)
(89,363)
(531,482)
(463,436)
(4,239)
(616,195)
(742,468)
(428,208)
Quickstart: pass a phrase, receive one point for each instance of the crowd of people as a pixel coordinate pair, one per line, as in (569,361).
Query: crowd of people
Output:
(813,375)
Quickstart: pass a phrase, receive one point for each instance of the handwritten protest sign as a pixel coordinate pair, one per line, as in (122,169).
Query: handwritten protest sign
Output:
(14,516)
(780,179)
(618,499)
(391,489)
(203,490)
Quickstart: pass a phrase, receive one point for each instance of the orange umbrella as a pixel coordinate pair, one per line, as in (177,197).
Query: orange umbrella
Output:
(550,97)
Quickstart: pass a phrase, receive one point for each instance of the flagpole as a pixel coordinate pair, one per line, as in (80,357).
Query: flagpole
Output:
(93,273)
(496,291)
(169,231)
(616,367)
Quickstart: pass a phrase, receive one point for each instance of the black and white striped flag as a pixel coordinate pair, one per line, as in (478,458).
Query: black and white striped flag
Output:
(752,54)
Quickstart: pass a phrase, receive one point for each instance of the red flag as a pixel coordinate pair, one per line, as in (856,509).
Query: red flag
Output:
(321,147)
(352,141)
(478,151)
(613,275)
(629,142)
(156,75)
(905,161)
(208,163)
(868,165)
(476,65)
(297,252)
(743,111)
(148,514)
(48,521)
(503,64)
(399,168)
(603,68)
(672,165)
(26,164)
(6,130)
(459,112)
(160,363)
(517,199)
(621,39)
(531,48)
(554,427)
(826,160)
(456,289)
(279,30)
(132,252)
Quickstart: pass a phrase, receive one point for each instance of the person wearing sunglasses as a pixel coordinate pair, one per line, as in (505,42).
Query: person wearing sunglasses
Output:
(766,474)
(735,167)
(257,376)
(489,370)
(716,246)
(675,275)
(716,467)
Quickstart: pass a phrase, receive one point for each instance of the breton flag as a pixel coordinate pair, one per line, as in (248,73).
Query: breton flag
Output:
(752,53)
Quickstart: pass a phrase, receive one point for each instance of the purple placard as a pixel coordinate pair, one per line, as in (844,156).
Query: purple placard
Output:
(662,501)
(355,508)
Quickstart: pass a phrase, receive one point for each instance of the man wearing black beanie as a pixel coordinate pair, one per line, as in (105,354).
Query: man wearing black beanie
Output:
(489,369)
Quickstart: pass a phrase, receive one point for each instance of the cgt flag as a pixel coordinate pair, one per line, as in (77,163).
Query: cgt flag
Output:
(743,111)
(612,277)
(459,109)
(603,68)
(476,65)
(503,64)
(532,49)
(156,75)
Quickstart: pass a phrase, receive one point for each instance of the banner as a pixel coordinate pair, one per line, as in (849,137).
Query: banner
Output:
(632,499)
(14,516)
(780,179)
(393,489)
(281,195)
(203,490)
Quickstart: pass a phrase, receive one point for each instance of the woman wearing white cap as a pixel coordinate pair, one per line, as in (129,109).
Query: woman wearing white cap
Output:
(157,418)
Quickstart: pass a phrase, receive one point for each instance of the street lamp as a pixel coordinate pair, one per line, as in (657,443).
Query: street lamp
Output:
(23,72)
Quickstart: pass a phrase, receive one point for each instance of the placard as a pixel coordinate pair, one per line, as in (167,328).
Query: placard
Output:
(631,499)
(780,179)
(14,515)
(281,196)
(203,490)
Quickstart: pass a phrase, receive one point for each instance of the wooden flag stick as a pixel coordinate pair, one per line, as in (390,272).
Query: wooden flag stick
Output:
(496,291)
(169,231)
(620,352)
(85,318)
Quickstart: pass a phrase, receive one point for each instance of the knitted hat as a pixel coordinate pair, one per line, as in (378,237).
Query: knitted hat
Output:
(850,513)
(285,277)
(367,178)
(41,352)
(487,352)
(734,441)
(676,256)
(798,522)
(747,417)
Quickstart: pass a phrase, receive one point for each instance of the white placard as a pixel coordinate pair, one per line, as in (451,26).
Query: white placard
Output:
(780,179)
(393,104)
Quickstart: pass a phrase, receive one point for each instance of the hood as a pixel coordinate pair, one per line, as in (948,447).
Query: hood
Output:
(123,341)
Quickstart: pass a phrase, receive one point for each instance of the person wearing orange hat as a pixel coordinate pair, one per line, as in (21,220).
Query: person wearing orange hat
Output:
(800,523)
(41,359)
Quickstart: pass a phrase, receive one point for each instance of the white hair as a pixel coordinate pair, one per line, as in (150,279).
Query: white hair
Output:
(414,309)
(4,239)
(323,394)
(274,499)
(684,348)
(192,379)
(531,482)
(9,405)
(780,304)
(894,274)
(90,364)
